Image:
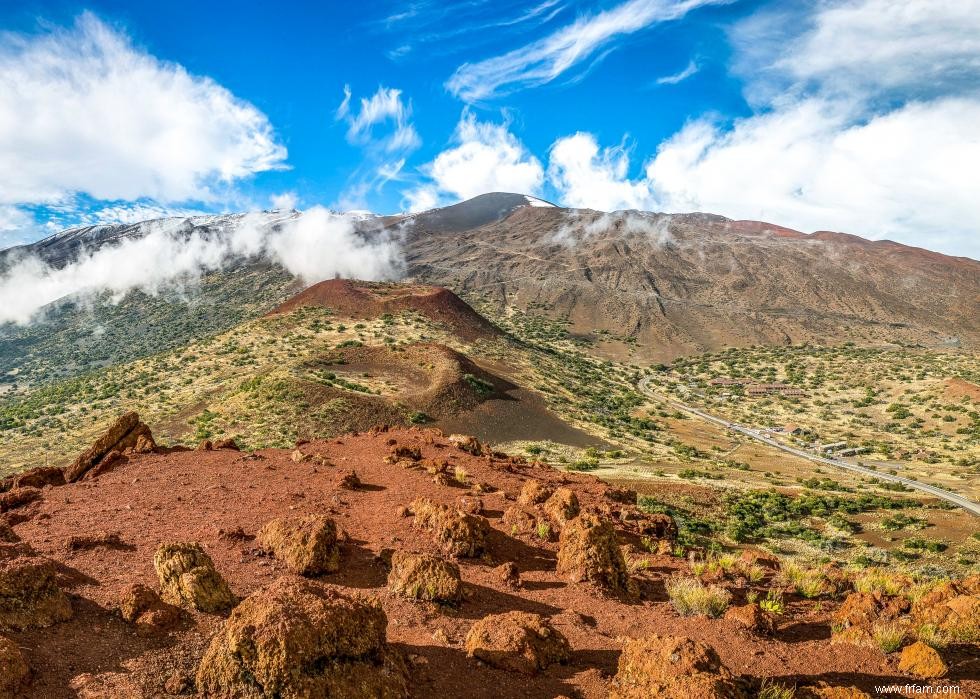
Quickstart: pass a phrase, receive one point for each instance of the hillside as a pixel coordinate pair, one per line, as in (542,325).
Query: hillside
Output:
(650,287)
(404,563)
(669,285)
(366,489)
(355,299)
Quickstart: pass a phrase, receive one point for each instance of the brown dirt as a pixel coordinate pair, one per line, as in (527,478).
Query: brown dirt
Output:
(428,377)
(196,496)
(959,388)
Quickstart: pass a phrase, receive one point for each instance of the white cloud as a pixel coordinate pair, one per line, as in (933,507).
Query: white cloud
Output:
(589,177)
(420,199)
(868,125)
(315,245)
(691,68)
(875,45)
(385,150)
(909,174)
(13,218)
(284,201)
(16,226)
(82,110)
(544,60)
(383,106)
(486,157)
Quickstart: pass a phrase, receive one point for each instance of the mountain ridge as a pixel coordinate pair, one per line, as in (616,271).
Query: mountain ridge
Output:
(651,286)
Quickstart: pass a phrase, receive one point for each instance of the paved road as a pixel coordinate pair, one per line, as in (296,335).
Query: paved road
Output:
(946,495)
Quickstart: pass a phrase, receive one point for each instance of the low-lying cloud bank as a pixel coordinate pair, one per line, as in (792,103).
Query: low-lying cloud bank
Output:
(314,245)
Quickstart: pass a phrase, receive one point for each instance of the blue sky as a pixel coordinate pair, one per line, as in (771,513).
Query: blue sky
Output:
(847,115)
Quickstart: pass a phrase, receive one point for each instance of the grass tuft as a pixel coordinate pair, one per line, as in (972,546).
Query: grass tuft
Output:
(690,597)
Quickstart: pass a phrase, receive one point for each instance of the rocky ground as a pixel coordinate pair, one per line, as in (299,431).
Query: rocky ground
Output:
(410,563)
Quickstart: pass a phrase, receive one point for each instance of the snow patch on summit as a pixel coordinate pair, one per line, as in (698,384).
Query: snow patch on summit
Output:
(541,203)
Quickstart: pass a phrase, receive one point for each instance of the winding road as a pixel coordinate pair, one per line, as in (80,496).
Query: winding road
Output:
(946,495)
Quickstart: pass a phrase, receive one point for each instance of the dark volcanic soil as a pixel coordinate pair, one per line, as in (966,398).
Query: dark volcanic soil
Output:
(205,495)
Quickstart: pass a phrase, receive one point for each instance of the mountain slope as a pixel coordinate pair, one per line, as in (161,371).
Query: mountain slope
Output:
(680,284)
(649,286)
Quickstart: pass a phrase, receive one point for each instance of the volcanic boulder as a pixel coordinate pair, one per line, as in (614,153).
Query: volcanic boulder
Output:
(658,526)
(35,478)
(467,443)
(295,638)
(142,606)
(226,443)
(922,661)
(671,667)
(307,545)
(29,594)
(18,498)
(562,506)
(517,641)
(588,552)
(457,533)
(127,432)
(188,578)
(855,619)
(520,520)
(426,577)
(14,671)
(751,617)
(509,574)
(534,492)
(348,479)
(952,607)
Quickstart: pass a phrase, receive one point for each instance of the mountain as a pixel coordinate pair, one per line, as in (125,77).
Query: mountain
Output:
(686,283)
(648,286)
(232,438)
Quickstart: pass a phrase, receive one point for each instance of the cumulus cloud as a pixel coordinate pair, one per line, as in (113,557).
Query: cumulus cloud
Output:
(543,60)
(485,157)
(314,245)
(886,45)
(909,173)
(284,200)
(16,226)
(82,110)
(587,176)
(862,125)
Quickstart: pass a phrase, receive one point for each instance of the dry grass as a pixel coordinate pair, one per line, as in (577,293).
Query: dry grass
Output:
(691,597)
(771,690)
(933,636)
(809,582)
(889,636)
(881,582)
(754,573)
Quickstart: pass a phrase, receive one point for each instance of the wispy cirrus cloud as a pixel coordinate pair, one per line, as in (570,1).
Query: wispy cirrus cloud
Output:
(545,59)
(381,125)
(691,69)
(385,105)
